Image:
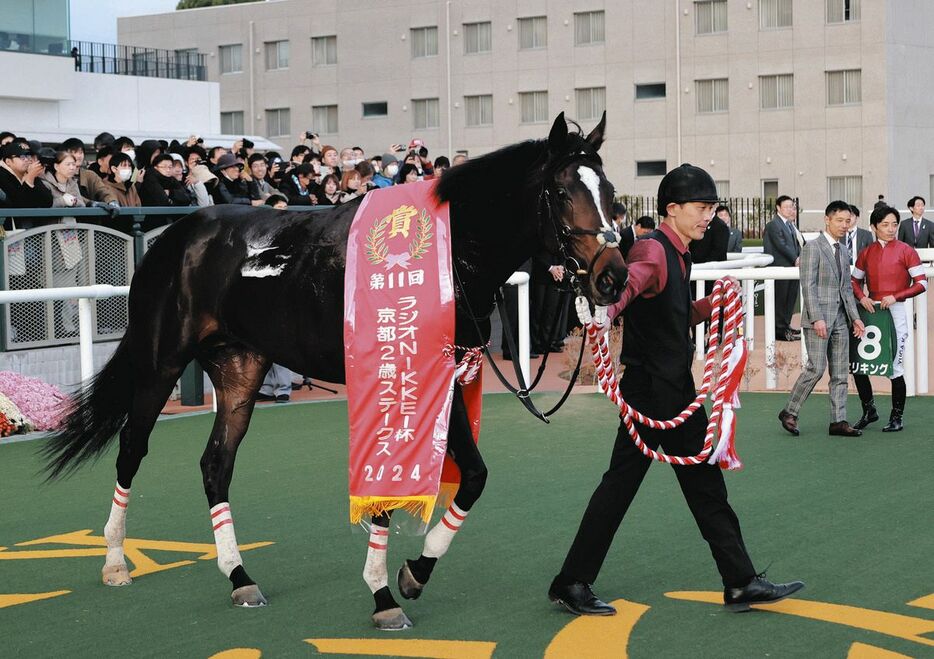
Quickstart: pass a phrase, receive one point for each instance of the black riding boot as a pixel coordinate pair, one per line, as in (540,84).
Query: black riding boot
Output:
(869,414)
(898,405)
(895,422)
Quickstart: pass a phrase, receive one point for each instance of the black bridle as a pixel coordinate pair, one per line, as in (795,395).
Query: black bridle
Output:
(563,234)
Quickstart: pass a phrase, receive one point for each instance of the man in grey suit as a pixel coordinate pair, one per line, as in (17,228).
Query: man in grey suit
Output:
(829,308)
(781,241)
(915,230)
(857,239)
(735,243)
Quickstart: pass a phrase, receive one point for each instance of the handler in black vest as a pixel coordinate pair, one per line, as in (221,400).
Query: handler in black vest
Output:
(658,314)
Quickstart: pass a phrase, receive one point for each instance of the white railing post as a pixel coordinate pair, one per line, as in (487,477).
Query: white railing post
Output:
(749,299)
(699,328)
(521,281)
(921,345)
(771,380)
(909,360)
(85,339)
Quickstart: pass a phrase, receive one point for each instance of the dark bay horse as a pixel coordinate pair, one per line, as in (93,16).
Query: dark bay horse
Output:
(237,289)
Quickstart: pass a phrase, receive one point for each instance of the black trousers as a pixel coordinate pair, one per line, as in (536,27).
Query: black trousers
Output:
(786,295)
(702,485)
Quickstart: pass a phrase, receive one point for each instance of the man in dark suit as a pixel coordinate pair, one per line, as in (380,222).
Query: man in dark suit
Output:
(915,230)
(783,242)
(857,239)
(641,227)
(735,244)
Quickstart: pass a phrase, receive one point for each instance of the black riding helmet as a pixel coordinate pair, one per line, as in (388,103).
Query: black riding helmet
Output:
(683,184)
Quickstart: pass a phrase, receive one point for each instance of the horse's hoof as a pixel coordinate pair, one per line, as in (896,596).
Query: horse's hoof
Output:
(248,596)
(391,620)
(409,588)
(116,575)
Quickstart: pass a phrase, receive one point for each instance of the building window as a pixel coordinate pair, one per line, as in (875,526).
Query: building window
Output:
(277,56)
(847,188)
(533,32)
(426,113)
(424,41)
(774,14)
(710,16)
(776,92)
(479,110)
(232,123)
(713,95)
(844,87)
(651,167)
(723,189)
(533,107)
(324,119)
(648,91)
(842,11)
(277,122)
(478,38)
(591,102)
(375,109)
(231,58)
(770,191)
(588,28)
(323,51)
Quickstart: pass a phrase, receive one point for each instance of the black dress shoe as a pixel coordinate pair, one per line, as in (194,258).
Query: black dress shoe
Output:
(843,429)
(282,398)
(579,599)
(758,591)
(789,422)
(265,398)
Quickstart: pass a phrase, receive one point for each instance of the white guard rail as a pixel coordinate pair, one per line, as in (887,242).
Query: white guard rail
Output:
(84,295)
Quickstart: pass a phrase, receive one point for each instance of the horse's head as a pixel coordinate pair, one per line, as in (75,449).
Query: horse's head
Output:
(575,212)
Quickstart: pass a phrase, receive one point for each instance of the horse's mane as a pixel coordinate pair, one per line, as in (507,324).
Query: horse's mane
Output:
(524,163)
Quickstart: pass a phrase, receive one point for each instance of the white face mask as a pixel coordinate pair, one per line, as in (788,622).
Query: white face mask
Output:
(124,174)
(131,153)
(392,170)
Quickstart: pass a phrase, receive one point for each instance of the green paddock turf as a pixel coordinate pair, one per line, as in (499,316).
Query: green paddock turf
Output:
(851,517)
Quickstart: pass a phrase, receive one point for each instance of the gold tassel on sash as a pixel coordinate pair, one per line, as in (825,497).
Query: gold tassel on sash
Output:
(417,506)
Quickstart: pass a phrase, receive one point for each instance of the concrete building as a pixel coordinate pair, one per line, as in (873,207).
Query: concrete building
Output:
(814,98)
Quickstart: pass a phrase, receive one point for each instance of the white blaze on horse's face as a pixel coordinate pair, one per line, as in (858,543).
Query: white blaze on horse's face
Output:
(590,179)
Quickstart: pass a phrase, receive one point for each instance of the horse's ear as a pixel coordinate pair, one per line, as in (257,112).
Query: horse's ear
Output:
(596,135)
(558,136)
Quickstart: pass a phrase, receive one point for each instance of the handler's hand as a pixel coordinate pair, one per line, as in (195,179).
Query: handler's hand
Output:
(888,301)
(866,303)
(858,328)
(821,328)
(557,272)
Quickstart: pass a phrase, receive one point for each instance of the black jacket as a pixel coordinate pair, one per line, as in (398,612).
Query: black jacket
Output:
(231,192)
(20,195)
(289,187)
(159,190)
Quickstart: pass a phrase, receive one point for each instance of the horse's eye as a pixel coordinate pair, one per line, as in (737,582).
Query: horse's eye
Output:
(562,194)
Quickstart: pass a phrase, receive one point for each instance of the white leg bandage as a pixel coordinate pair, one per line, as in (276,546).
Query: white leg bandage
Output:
(228,555)
(439,538)
(374,571)
(115,529)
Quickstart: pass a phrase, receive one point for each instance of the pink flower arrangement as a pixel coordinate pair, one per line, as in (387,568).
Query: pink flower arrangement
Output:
(41,403)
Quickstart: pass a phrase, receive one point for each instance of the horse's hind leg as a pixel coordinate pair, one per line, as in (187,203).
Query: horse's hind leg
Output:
(388,615)
(413,575)
(149,395)
(237,375)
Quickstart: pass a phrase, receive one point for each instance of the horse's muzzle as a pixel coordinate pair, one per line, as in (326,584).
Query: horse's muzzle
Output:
(609,285)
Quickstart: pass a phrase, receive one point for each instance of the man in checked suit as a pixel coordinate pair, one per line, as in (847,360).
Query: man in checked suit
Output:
(829,309)
(915,230)
(781,242)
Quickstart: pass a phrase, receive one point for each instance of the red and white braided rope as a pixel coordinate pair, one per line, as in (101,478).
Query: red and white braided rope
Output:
(729,303)
(468,367)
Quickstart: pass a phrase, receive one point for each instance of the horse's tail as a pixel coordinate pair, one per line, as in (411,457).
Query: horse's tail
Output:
(95,416)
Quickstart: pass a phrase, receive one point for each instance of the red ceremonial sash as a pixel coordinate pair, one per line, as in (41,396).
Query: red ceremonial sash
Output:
(398,320)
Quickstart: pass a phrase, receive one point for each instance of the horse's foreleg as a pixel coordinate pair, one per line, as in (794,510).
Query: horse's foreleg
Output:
(415,574)
(148,400)
(237,377)
(388,615)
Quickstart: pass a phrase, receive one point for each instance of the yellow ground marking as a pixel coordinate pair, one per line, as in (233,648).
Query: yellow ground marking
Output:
(883,622)
(926,602)
(96,545)
(404,648)
(598,636)
(238,653)
(863,651)
(24,598)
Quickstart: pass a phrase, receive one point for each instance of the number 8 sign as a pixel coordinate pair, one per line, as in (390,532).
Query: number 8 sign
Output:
(874,352)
